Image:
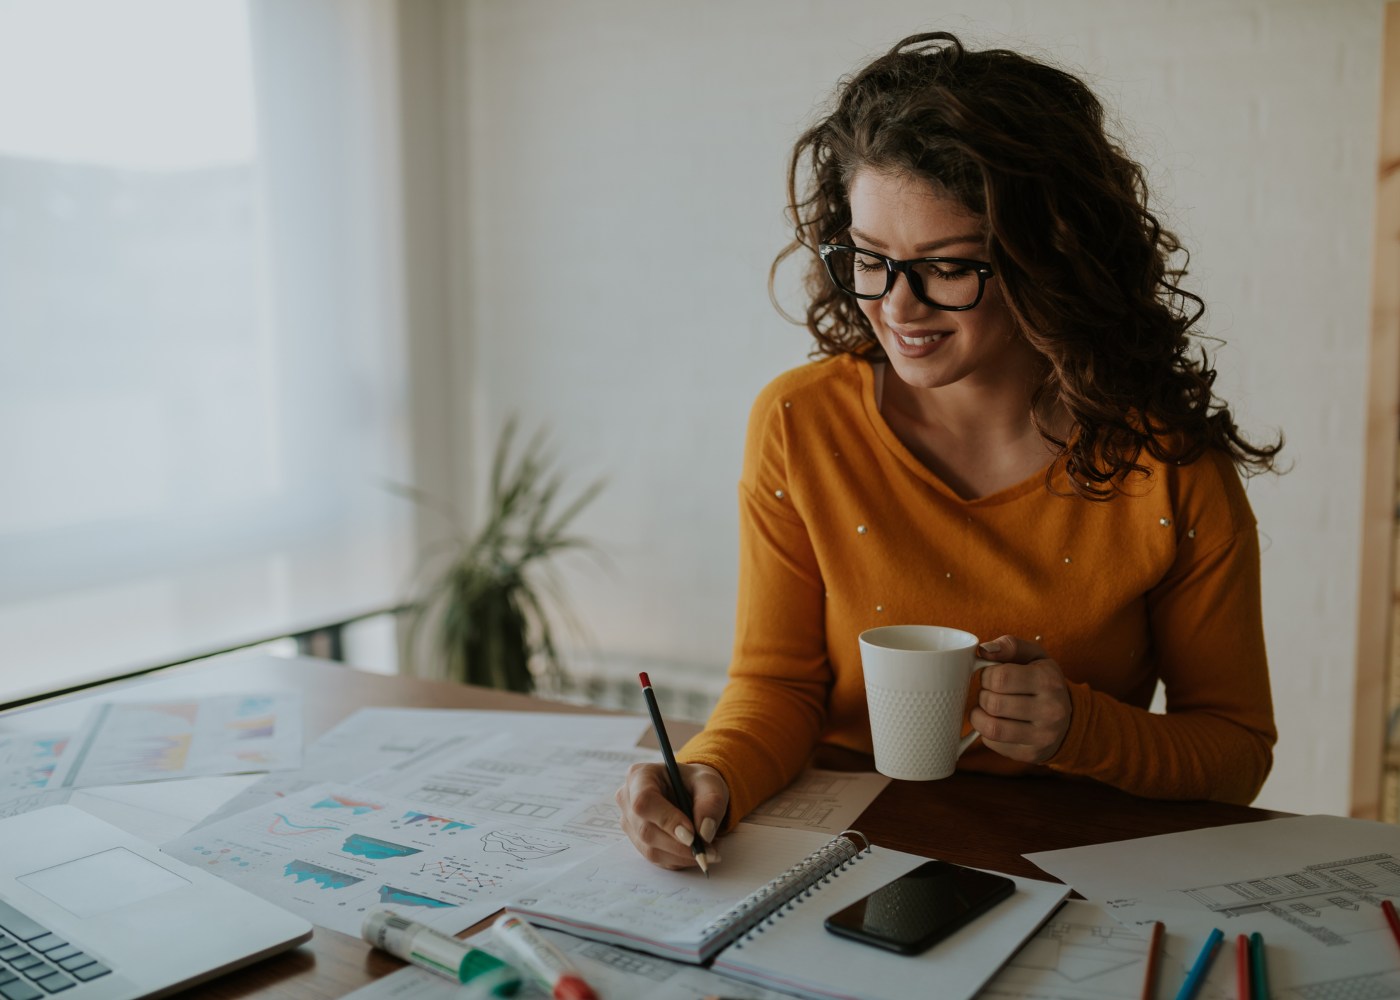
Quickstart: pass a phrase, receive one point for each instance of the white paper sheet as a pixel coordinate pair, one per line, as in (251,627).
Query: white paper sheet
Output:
(1310,885)
(27,764)
(1081,953)
(401,745)
(27,761)
(821,801)
(334,852)
(543,772)
(195,737)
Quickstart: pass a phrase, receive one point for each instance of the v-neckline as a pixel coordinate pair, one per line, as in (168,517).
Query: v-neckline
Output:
(872,378)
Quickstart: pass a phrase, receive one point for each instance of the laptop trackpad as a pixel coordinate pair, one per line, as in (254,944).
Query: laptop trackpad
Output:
(102,882)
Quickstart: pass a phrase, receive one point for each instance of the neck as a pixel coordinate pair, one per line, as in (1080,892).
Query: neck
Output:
(982,413)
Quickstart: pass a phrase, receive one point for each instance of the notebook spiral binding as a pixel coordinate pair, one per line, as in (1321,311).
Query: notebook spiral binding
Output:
(769,902)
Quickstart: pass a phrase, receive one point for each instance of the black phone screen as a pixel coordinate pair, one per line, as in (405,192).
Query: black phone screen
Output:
(916,910)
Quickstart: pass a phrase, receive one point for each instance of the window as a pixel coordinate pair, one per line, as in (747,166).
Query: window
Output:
(203,387)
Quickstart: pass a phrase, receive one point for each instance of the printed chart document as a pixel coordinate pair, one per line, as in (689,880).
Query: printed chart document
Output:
(760,914)
(27,763)
(1081,953)
(125,742)
(543,775)
(822,801)
(1310,885)
(334,852)
(405,747)
(612,972)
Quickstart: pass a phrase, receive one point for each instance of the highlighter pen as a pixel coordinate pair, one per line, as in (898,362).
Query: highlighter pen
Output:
(420,945)
(543,959)
(1198,970)
(682,797)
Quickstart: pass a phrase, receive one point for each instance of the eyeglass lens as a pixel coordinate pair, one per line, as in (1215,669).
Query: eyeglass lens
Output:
(942,283)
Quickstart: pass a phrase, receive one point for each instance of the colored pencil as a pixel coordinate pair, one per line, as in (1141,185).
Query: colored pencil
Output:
(1154,951)
(1242,963)
(1388,908)
(1194,978)
(1260,967)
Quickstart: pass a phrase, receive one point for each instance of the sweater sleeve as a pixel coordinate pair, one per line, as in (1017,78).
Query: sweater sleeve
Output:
(1216,739)
(771,713)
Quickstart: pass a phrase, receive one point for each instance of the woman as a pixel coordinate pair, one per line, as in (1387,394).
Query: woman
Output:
(1009,433)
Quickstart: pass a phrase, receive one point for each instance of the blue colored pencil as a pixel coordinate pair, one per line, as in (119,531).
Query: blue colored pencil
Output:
(1198,970)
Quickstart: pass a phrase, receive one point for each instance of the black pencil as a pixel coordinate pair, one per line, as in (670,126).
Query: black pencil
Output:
(682,797)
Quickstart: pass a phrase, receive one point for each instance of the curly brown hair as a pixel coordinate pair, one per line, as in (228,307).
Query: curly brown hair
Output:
(1085,267)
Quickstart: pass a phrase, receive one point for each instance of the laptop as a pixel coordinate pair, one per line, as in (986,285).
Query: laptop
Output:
(90,912)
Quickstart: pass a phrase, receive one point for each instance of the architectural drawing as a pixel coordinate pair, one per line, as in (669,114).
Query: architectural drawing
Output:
(1320,900)
(1081,953)
(824,801)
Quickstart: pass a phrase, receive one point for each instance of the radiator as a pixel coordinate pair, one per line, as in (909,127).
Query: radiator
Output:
(683,690)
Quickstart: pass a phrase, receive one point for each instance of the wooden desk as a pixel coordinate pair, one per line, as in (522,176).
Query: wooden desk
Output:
(972,819)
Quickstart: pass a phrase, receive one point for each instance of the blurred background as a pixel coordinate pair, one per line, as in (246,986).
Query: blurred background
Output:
(260,258)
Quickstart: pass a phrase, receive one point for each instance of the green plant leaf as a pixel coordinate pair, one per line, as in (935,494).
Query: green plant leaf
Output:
(488,604)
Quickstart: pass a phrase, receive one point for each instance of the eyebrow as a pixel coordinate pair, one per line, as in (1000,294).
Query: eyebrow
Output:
(922,247)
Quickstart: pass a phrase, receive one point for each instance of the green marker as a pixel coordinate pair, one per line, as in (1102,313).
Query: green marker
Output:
(420,945)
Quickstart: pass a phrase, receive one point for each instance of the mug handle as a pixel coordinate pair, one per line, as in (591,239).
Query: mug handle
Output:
(970,737)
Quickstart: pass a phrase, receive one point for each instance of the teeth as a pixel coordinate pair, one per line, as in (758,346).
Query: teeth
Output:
(920,341)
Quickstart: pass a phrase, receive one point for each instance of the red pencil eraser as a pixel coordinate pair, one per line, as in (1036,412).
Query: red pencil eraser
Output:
(646,681)
(572,987)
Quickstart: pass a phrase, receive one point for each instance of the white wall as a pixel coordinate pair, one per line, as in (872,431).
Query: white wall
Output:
(622,200)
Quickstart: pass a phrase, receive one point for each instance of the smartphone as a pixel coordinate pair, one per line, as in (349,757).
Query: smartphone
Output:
(917,910)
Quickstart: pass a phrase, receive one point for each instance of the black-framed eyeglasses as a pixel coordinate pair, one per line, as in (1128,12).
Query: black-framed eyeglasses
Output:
(949,283)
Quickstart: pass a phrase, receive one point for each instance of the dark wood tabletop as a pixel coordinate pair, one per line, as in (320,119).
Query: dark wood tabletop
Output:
(979,820)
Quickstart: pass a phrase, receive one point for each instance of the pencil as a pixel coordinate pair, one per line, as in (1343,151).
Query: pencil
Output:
(1260,968)
(682,797)
(1388,908)
(1242,960)
(1198,970)
(1154,951)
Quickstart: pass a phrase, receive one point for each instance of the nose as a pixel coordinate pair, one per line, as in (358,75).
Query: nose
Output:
(899,304)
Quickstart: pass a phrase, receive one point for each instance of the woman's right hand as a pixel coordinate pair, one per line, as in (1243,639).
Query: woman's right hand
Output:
(660,830)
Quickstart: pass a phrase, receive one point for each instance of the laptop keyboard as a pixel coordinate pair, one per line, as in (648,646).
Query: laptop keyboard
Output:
(34,962)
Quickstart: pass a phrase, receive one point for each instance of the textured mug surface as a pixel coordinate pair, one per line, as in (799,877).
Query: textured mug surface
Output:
(916,681)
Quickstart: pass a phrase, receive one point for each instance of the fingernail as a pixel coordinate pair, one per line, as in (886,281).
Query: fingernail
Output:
(707,830)
(995,646)
(711,855)
(684,835)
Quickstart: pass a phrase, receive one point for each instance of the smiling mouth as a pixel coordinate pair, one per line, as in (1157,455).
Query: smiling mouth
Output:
(932,338)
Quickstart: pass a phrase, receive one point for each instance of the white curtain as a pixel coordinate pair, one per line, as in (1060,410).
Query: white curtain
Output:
(203,384)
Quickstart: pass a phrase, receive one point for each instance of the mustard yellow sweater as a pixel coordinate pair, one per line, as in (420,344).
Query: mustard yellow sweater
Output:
(842,529)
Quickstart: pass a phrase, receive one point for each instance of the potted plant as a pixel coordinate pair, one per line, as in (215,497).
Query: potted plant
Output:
(484,606)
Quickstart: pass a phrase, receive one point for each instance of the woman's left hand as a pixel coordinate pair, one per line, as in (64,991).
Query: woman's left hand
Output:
(1023,710)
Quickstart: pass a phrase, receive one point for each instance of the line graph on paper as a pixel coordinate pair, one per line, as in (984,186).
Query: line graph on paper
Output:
(463,874)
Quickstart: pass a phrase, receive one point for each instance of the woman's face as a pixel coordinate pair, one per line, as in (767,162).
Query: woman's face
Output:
(906,217)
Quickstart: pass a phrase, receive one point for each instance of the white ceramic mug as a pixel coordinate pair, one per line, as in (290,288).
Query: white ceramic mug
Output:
(916,681)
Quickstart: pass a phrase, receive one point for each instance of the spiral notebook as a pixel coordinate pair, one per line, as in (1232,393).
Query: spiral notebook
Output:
(768,929)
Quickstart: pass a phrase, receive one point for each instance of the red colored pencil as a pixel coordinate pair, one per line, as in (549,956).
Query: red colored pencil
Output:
(1388,908)
(1242,987)
(1154,950)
